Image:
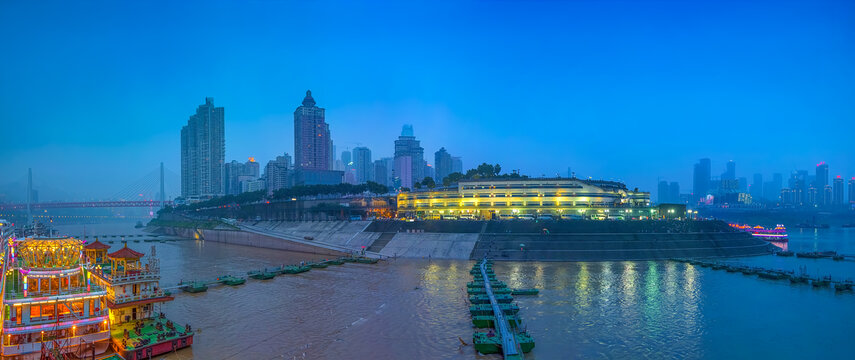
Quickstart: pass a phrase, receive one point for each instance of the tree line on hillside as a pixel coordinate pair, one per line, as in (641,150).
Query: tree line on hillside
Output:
(483,171)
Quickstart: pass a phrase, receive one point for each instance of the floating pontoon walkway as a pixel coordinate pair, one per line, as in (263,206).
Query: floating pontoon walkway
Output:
(197,286)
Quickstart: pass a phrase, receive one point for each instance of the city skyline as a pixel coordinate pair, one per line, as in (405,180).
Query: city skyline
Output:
(664,90)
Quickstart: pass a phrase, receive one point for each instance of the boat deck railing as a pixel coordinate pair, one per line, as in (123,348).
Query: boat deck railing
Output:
(121,299)
(509,342)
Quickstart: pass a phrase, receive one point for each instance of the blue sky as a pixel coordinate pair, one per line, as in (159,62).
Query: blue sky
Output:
(93,96)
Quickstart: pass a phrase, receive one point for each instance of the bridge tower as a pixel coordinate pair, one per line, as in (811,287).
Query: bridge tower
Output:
(29,195)
(162,195)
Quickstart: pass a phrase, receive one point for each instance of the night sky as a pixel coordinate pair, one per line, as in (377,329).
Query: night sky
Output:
(93,96)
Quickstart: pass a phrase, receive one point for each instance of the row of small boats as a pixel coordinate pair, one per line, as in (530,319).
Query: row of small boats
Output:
(813,255)
(487,340)
(776,274)
(267,274)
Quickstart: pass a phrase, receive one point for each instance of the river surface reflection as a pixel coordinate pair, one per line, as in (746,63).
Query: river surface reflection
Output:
(417,309)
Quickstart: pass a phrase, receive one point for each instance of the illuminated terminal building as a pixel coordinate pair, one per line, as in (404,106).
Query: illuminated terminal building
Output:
(556,198)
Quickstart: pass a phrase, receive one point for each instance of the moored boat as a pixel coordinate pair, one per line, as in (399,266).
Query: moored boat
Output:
(772,275)
(195,287)
(487,309)
(262,275)
(845,285)
(232,280)
(825,281)
(531,291)
(488,321)
(484,299)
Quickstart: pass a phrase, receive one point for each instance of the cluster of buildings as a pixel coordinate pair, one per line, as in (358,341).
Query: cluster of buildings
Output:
(801,190)
(205,173)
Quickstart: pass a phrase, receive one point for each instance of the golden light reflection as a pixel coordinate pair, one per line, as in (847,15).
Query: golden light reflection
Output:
(629,283)
(608,276)
(583,291)
(671,278)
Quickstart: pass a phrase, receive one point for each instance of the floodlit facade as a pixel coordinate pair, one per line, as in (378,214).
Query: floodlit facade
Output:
(49,303)
(564,198)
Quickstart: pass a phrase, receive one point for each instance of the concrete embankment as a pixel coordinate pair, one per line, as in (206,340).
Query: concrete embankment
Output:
(502,240)
(246,238)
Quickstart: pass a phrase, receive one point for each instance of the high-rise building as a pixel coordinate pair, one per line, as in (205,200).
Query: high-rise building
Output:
(443,164)
(312,142)
(827,195)
(822,180)
(756,189)
(743,185)
(701,179)
(277,173)
(663,192)
(380,172)
(674,192)
(798,184)
(669,193)
(730,171)
(852,191)
(363,165)
(837,197)
(347,159)
(409,158)
(236,172)
(203,152)
(457,164)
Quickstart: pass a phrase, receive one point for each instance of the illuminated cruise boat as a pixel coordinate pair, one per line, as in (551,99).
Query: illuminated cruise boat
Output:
(50,308)
(777,234)
(139,329)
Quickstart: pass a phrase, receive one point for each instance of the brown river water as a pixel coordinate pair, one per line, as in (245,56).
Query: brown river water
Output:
(417,309)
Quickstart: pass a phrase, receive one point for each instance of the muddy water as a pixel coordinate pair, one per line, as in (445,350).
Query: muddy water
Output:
(417,309)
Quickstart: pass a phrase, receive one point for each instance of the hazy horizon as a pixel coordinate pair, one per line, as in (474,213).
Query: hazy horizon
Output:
(93,96)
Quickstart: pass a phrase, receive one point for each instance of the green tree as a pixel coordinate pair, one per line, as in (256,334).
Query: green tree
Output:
(429,182)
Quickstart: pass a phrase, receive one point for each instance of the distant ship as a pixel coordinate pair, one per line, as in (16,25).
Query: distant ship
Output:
(139,225)
(776,234)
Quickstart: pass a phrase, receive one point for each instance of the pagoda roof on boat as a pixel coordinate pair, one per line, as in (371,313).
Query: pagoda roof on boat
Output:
(125,253)
(96,245)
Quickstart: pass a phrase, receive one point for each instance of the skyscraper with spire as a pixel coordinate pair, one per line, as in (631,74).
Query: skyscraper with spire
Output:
(312,142)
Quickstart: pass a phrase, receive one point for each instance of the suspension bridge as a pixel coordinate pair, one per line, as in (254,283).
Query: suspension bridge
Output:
(147,192)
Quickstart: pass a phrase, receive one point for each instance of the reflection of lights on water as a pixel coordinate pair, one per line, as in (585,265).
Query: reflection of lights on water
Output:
(670,278)
(628,283)
(690,297)
(691,276)
(538,274)
(582,286)
(606,281)
(652,296)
